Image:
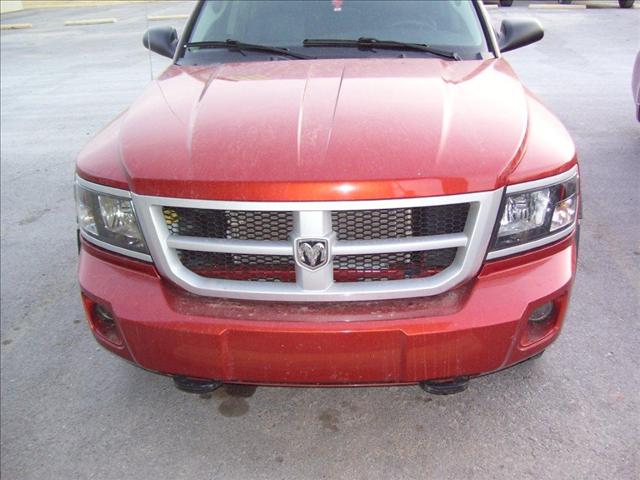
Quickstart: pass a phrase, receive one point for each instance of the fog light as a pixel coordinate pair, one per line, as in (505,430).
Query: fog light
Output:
(542,313)
(541,322)
(102,322)
(104,315)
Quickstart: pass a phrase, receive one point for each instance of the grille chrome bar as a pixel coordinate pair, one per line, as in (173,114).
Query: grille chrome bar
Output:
(255,247)
(312,220)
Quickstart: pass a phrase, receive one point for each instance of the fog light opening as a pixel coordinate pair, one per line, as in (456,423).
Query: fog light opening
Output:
(104,324)
(540,323)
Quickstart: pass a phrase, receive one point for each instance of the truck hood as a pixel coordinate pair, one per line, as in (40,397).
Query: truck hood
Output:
(325,129)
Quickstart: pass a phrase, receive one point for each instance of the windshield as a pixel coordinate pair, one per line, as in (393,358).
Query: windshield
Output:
(451,25)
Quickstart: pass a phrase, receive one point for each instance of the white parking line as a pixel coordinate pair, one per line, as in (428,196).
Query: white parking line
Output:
(167,17)
(556,6)
(92,21)
(14,26)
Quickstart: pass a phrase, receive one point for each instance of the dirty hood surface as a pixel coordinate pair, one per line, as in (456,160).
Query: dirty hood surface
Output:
(324,129)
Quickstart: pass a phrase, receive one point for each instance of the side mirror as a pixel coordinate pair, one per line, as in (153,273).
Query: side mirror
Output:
(516,33)
(162,40)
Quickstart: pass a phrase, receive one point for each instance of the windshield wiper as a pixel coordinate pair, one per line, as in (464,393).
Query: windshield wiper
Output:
(237,45)
(367,42)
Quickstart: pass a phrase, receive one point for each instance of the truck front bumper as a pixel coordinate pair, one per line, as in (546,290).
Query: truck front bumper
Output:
(480,327)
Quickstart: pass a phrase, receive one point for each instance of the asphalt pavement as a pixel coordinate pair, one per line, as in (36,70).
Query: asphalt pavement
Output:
(70,410)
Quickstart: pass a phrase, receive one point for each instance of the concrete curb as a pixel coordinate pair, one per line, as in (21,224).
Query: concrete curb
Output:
(48,4)
(93,21)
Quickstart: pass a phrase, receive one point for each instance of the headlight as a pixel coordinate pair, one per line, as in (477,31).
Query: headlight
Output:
(533,217)
(110,220)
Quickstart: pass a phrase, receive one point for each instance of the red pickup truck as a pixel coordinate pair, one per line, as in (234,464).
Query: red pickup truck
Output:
(330,193)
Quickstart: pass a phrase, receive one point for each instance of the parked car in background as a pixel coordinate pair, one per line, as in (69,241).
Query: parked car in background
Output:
(330,193)
(635,85)
(508,3)
(502,3)
(622,3)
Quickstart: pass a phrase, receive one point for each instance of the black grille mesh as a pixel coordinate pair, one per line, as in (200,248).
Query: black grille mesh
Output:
(400,222)
(348,225)
(391,266)
(228,266)
(229,224)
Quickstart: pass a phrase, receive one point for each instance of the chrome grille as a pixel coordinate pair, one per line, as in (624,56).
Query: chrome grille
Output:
(382,224)
(378,249)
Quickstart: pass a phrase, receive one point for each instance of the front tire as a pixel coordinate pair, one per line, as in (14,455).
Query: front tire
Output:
(625,3)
